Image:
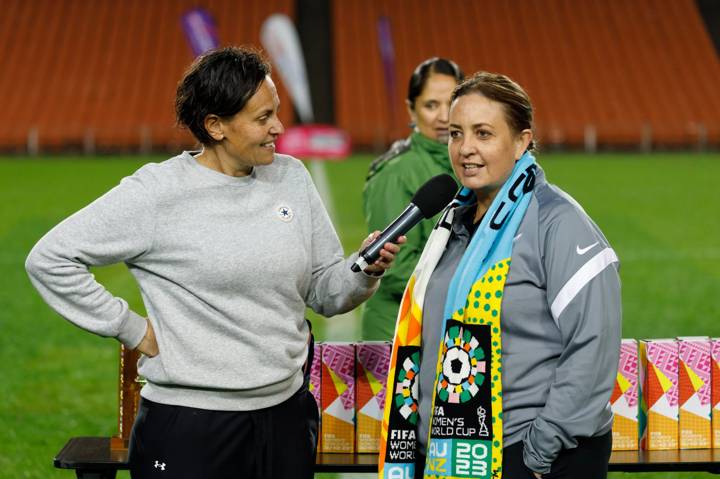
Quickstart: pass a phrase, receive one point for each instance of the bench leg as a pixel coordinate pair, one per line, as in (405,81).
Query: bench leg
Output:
(95,474)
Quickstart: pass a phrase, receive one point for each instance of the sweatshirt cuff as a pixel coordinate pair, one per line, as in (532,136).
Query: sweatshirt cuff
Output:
(132,330)
(534,464)
(374,275)
(362,277)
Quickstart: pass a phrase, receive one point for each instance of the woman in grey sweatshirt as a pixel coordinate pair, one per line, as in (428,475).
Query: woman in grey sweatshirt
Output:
(228,246)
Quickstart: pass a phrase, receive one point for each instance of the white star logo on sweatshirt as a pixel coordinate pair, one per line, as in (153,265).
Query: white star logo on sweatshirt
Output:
(284,213)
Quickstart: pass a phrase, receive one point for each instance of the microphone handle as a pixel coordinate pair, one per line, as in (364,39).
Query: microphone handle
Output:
(402,224)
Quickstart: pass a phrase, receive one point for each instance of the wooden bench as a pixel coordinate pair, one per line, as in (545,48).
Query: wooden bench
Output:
(102,457)
(93,458)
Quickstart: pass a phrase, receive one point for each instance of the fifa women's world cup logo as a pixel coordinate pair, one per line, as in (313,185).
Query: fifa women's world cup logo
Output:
(463,366)
(406,388)
(461,431)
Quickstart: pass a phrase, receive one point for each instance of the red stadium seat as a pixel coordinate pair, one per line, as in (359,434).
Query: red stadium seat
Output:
(623,69)
(105,72)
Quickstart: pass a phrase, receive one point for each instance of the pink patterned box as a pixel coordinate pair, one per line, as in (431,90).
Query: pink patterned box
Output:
(624,399)
(316,374)
(694,383)
(338,397)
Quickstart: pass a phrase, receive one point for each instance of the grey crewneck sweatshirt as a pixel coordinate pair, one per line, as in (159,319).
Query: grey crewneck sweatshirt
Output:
(225,265)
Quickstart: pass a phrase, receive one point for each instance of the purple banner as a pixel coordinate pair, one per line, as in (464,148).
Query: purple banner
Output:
(387,55)
(200,30)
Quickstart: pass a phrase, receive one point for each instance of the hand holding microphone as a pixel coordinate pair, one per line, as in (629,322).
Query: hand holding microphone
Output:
(386,255)
(428,201)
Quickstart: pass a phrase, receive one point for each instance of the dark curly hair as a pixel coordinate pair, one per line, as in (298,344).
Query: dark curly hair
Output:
(219,82)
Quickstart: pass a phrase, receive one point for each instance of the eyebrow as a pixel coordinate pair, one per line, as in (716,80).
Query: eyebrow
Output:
(476,125)
(267,111)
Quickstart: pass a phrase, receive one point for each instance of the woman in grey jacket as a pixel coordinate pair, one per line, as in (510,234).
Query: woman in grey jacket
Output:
(517,296)
(228,246)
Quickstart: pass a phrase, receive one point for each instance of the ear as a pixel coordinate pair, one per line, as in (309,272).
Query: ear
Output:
(522,141)
(214,127)
(411,113)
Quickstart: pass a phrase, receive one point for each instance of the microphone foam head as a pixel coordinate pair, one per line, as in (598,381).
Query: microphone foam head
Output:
(435,195)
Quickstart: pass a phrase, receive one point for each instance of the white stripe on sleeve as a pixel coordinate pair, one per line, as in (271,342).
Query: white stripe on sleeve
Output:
(583,276)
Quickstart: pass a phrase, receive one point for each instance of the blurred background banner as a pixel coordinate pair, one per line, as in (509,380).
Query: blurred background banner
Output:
(200,30)
(387,56)
(280,39)
(315,142)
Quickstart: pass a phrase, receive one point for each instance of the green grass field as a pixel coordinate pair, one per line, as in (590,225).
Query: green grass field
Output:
(660,212)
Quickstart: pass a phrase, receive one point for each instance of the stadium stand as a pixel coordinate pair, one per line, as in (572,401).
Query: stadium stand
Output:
(621,73)
(101,75)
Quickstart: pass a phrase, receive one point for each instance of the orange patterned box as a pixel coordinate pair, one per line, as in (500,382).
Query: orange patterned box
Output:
(624,400)
(337,391)
(715,396)
(371,369)
(659,384)
(694,384)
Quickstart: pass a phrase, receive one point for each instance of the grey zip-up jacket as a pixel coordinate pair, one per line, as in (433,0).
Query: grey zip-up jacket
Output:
(560,322)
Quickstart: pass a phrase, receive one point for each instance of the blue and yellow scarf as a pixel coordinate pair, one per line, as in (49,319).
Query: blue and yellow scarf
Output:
(465,433)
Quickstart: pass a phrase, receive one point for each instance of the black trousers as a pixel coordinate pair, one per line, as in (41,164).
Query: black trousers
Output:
(186,443)
(587,461)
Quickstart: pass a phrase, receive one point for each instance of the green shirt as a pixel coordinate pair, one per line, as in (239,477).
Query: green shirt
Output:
(392,181)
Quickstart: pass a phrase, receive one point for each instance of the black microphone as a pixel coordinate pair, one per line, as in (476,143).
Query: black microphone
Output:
(428,201)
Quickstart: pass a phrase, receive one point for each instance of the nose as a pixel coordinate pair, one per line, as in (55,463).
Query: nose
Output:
(467,147)
(277,128)
(444,114)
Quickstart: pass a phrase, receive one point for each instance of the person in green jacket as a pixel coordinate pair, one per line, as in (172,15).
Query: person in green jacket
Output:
(394,178)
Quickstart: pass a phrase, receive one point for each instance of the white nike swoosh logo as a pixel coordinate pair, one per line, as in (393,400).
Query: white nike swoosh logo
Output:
(582,251)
